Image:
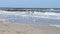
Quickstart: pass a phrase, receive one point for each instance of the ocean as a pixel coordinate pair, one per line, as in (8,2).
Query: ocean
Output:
(37,18)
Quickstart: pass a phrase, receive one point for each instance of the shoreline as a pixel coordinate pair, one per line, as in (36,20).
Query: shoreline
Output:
(28,29)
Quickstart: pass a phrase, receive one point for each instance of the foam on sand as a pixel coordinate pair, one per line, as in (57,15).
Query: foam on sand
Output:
(54,25)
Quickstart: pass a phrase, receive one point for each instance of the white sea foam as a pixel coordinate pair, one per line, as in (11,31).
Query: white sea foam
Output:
(54,25)
(50,15)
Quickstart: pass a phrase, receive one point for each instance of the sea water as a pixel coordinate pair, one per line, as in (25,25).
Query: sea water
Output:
(37,18)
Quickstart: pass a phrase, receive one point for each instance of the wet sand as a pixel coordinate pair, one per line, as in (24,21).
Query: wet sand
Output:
(27,29)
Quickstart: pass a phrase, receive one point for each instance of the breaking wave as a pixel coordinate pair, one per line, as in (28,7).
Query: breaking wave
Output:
(25,17)
(50,15)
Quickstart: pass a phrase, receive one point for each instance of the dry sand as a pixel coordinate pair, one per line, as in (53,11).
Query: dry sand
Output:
(27,29)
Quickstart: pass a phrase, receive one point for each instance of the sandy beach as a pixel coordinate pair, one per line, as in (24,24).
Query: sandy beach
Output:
(27,29)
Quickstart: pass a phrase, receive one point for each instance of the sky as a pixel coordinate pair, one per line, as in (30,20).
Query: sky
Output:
(30,3)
